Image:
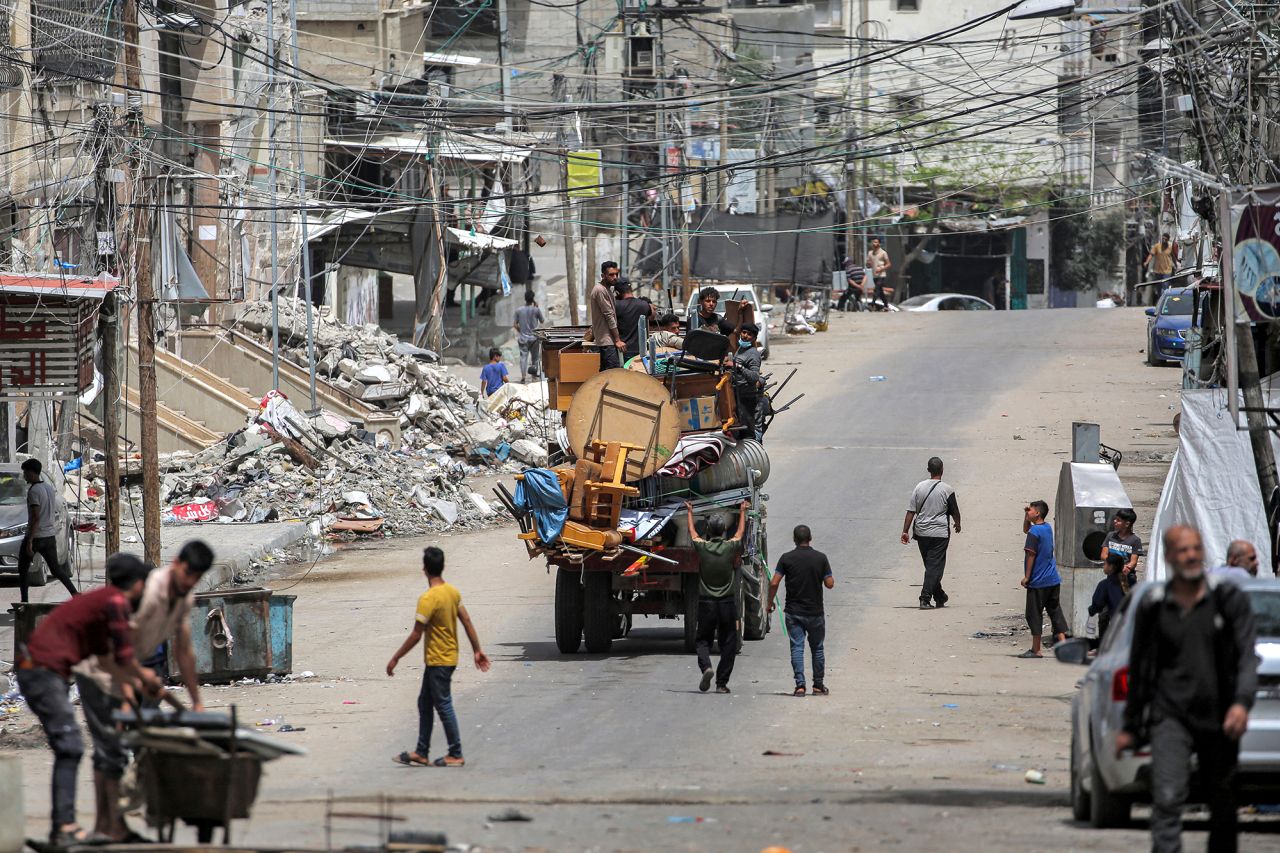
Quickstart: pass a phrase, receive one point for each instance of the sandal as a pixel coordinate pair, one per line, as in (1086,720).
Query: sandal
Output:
(799,691)
(1030,655)
(449,761)
(411,759)
(821,690)
(68,837)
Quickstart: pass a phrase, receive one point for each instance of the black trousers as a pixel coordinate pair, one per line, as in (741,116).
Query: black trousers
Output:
(47,547)
(879,293)
(853,295)
(1172,745)
(933,551)
(610,357)
(1046,600)
(718,620)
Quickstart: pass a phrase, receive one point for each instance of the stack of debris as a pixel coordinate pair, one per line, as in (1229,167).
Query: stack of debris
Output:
(286,464)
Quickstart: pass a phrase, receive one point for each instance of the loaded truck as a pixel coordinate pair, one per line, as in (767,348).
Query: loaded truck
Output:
(610,519)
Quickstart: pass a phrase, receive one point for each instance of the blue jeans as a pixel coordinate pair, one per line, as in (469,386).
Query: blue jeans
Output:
(436,697)
(815,629)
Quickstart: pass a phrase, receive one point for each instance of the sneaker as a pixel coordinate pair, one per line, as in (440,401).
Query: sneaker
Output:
(941,602)
(705,684)
(924,605)
(723,688)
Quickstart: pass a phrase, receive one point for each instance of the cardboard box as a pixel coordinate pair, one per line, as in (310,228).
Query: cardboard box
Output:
(697,413)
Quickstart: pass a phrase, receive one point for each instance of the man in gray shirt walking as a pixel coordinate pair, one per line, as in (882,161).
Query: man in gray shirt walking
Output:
(930,510)
(42,530)
(528,318)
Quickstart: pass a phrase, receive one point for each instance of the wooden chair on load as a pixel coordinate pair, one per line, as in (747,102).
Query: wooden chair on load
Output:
(602,497)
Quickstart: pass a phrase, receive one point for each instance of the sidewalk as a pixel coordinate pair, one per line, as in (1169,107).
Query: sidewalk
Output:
(234,546)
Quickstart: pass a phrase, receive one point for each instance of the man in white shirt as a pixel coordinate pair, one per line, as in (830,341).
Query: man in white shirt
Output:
(878,264)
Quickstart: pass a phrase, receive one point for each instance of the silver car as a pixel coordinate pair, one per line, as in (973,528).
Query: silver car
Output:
(13,526)
(1104,786)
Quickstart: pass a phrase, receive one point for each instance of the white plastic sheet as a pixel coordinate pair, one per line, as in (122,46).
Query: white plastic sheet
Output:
(1212,484)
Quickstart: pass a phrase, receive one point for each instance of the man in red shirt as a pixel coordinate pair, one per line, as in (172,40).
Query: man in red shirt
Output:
(94,623)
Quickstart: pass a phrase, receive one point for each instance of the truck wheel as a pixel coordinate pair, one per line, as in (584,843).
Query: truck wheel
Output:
(568,611)
(597,612)
(691,612)
(755,613)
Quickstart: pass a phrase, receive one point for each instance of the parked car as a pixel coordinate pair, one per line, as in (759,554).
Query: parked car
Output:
(1167,324)
(13,526)
(1104,786)
(945,302)
(737,294)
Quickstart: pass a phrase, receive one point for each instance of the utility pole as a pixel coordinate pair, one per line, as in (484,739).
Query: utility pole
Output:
(141,231)
(109,324)
(570,245)
(864,70)
(305,260)
(271,180)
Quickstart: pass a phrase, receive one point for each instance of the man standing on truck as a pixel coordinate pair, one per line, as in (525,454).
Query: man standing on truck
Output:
(1193,673)
(604,318)
(717,603)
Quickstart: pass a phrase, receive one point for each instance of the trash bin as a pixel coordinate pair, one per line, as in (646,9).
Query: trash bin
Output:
(241,633)
(26,615)
(1089,493)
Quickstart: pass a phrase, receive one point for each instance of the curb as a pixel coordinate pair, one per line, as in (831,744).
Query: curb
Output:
(223,571)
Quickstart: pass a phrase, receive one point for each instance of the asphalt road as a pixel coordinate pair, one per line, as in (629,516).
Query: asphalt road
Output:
(928,732)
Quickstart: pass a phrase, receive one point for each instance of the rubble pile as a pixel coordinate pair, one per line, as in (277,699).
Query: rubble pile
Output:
(350,478)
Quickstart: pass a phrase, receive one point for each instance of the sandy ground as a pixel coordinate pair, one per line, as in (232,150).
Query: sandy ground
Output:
(925,740)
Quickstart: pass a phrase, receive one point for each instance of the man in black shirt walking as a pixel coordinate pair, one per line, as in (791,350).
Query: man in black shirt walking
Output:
(806,572)
(1193,673)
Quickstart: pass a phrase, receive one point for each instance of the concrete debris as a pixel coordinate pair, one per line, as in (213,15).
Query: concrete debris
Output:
(345,477)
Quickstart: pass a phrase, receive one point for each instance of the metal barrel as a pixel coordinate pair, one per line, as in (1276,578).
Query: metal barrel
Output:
(731,471)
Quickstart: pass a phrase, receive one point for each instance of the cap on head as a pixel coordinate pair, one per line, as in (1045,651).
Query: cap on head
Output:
(622,286)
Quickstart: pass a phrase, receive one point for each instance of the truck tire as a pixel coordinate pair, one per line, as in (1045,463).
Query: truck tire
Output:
(690,590)
(597,612)
(755,612)
(568,611)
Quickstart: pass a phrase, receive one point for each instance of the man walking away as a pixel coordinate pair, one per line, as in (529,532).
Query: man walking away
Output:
(878,264)
(42,529)
(96,623)
(162,614)
(604,318)
(931,505)
(1242,562)
(717,602)
(528,318)
(1124,542)
(806,571)
(1040,577)
(1193,672)
(439,609)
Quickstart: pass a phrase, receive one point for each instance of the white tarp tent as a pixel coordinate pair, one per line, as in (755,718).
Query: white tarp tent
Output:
(1212,484)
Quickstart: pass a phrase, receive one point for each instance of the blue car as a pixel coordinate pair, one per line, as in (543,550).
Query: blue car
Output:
(1167,325)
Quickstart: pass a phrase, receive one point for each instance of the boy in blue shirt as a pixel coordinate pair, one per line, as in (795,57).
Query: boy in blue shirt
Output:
(1040,577)
(494,374)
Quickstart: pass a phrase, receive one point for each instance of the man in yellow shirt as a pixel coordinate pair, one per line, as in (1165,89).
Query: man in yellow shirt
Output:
(439,609)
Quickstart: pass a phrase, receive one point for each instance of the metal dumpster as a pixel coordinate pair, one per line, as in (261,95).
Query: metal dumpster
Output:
(25,618)
(241,633)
